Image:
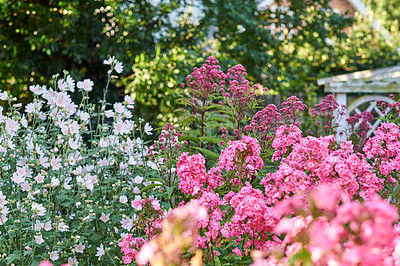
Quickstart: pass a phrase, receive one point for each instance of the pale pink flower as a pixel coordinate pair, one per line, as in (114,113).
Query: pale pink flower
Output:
(38,209)
(47,226)
(123,199)
(39,178)
(86,85)
(109,61)
(55,162)
(12,126)
(18,178)
(148,129)
(105,217)
(79,248)
(100,251)
(54,255)
(39,239)
(118,67)
(119,108)
(38,225)
(127,223)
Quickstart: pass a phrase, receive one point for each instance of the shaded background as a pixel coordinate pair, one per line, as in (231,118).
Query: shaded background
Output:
(284,45)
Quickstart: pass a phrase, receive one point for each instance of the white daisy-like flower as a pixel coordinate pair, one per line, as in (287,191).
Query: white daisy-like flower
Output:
(79,248)
(148,129)
(118,67)
(38,209)
(86,85)
(100,251)
(109,61)
(105,217)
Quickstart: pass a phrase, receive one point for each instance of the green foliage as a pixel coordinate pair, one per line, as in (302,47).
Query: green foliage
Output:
(155,84)
(40,38)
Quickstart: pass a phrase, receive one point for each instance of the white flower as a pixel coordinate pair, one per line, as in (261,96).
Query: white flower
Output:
(38,209)
(86,85)
(47,226)
(55,163)
(100,251)
(109,61)
(38,225)
(118,67)
(127,223)
(79,248)
(105,217)
(109,113)
(70,83)
(119,108)
(138,179)
(17,178)
(123,199)
(62,227)
(129,101)
(136,190)
(25,186)
(72,261)
(148,129)
(12,126)
(36,89)
(54,255)
(39,178)
(55,181)
(3,200)
(3,95)
(24,122)
(39,239)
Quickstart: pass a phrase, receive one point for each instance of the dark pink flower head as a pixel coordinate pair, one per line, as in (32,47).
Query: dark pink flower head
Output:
(239,95)
(242,156)
(204,80)
(263,123)
(292,110)
(191,170)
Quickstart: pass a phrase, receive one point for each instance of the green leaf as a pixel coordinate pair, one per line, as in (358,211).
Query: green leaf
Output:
(16,255)
(209,153)
(215,140)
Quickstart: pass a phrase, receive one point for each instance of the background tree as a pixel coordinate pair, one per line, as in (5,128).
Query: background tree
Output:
(41,38)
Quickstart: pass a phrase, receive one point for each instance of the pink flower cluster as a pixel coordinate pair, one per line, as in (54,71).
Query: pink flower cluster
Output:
(353,233)
(263,124)
(313,161)
(204,80)
(237,91)
(384,147)
(285,137)
(360,125)
(130,246)
(252,218)
(292,109)
(242,156)
(191,170)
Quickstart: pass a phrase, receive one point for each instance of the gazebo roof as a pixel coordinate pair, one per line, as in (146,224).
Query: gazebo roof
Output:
(381,80)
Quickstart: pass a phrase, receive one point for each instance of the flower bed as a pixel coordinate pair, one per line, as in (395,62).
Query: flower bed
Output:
(230,182)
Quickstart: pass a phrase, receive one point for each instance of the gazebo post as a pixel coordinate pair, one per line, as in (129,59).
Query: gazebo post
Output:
(341,98)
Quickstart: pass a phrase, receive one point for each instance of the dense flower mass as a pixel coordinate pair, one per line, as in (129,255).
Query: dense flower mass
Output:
(241,156)
(352,233)
(192,173)
(82,184)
